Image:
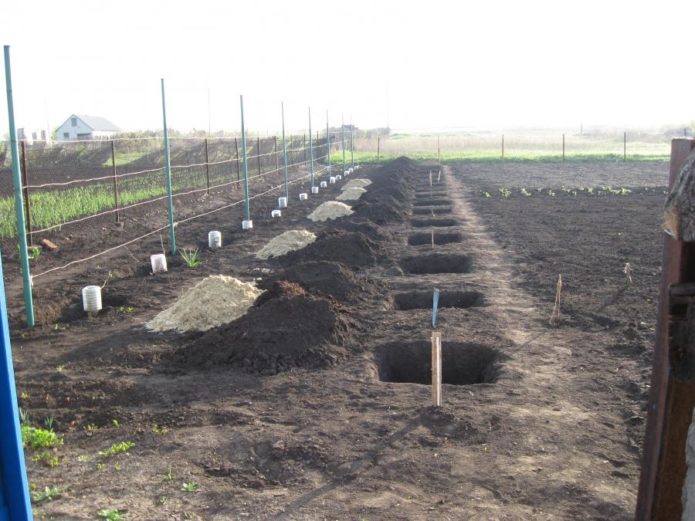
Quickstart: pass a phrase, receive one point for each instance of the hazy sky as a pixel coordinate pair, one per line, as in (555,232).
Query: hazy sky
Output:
(426,64)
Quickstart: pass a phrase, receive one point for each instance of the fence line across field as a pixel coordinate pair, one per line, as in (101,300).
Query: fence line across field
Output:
(165,227)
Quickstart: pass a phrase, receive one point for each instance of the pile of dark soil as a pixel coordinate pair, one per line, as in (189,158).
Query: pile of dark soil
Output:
(354,249)
(386,198)
(288,328)
(331,279)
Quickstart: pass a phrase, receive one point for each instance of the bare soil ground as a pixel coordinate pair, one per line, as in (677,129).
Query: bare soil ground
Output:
(316,405)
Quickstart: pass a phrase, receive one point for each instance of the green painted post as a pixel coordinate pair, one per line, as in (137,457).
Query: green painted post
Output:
(342,138)
(18,198)
(352,143)
(311,153)
(328,144)
(284,152)
(167,159)
(247,209)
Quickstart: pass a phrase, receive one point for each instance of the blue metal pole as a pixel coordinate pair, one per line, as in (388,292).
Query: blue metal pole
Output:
(13,475)
(311,152)
(167,158)
(247,210)
(284,152)
(18,197)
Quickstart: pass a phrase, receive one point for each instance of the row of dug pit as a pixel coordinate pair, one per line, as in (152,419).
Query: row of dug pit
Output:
(321,299)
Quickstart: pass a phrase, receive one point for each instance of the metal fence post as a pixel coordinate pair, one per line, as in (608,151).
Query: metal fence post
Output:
(311,153)
(247,210)
(328,145)
(284,151)
(18,197)
(115,180)
(258,153)
(342,138)
(207,167)
(167,159)
(25,184)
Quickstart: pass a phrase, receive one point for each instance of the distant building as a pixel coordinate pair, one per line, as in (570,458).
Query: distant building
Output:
(86,127)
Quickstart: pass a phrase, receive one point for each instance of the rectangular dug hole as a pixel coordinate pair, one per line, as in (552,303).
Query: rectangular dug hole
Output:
(437,263)
(439,223)
(418,239)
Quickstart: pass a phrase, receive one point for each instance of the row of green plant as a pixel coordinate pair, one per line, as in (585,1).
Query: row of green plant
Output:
(50,208)
(506,193)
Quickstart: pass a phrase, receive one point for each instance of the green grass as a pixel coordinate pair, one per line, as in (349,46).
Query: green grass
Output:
(123,158)
(491,156)
(112,514)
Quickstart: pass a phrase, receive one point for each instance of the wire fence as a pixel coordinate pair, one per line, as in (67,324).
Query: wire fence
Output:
(619,145)
(78,182)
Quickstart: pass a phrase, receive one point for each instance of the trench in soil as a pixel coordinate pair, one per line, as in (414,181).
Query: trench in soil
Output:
(447,299)
(418,239)
(431,201)
(440,223)
(437,263)
(462,363)
(433,210)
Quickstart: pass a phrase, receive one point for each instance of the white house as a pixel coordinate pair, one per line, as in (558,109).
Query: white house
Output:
(82,127)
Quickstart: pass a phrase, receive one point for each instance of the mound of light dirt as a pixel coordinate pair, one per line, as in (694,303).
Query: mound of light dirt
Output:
(330,210)
(351,194)
(356,183)
(286,242)
(215,300)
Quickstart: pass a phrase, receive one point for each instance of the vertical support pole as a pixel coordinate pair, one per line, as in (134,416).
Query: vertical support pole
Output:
(167,159)
(284,152)
(624,146)
(304,144)
(352,144)
(277,158)
(247,210)
(438,151)
(238,163)
(328,145)
(563,147)
(25,184)
(258,153)
(311,154)
(18,198)
(13,474)
(342,138)
(436,368)
(502,147)
(378,147)
(115,180)
(207,167)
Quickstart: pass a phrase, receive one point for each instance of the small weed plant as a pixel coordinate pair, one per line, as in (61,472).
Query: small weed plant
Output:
(112,514)
(35,438)
(190,486)
(117,448)
(191,257)
(47,494)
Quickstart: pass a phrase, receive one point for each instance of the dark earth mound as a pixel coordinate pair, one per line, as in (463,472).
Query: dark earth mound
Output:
(331,279)
(289,329)
(353,249)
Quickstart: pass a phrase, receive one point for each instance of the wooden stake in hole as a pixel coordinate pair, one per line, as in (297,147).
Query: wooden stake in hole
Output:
(436,368)
(433,236)
(627,270)
(555,317)
(439,176)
